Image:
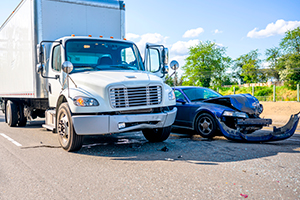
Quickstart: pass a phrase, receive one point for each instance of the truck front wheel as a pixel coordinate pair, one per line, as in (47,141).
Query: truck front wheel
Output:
(67,136)
(11,113)
(157,134)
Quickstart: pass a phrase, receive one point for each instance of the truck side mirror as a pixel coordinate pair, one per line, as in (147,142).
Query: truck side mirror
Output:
(41,53)
(40,68)
(165,58)
(67,67)
(174,65)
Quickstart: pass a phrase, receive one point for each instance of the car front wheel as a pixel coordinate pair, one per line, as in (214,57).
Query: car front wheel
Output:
(206,125)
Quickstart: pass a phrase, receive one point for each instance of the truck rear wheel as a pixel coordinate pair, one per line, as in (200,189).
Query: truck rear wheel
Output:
(11,113)
(157,134)
(67,136)
(22,119)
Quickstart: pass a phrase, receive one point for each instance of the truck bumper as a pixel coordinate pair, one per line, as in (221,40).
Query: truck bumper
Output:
(103,124)
(280,133)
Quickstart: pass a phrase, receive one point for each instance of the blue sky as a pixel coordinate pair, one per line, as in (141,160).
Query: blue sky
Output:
(238,25)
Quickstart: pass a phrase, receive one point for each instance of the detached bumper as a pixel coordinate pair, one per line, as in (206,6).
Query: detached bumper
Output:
(103,124)
(280,133)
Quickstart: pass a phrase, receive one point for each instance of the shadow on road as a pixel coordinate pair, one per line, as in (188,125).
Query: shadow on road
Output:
(180,146)
(183,147)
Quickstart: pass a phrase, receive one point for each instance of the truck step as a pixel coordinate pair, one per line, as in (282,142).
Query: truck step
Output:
(49,127)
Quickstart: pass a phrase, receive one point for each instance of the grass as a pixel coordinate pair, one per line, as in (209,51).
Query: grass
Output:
(262,93)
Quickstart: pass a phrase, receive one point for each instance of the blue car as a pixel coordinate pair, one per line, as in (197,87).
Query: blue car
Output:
(236,117)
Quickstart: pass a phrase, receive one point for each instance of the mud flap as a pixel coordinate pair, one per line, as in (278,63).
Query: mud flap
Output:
(280,133)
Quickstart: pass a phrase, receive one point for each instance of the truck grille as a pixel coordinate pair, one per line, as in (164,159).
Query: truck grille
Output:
(137,96)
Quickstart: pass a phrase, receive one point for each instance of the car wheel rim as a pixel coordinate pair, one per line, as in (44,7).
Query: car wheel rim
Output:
(205,125)
(63,129)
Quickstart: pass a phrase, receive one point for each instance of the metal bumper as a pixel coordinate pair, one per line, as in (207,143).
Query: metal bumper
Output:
(280,133)
(103,124)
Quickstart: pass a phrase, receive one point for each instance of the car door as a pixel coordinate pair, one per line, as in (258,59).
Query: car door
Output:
(183,110)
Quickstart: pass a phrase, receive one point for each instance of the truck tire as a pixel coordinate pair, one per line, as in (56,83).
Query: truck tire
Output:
(157,134)
(22,119)
(11,113)
(67,136)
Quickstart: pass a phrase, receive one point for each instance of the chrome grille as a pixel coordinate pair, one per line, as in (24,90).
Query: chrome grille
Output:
(137,96)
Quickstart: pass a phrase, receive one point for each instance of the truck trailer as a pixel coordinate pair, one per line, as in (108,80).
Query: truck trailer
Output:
(69,61)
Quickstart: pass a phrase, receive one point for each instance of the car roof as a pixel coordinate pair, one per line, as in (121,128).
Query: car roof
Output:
(184,87)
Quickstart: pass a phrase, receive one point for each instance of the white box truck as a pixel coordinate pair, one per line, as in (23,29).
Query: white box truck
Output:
(69,61)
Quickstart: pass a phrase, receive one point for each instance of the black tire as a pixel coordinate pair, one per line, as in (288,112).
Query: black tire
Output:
(67,136)
(206,125)
(11,113)
(22,119)
(157,134)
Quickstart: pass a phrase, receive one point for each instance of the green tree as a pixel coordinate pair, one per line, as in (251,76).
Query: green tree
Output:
(273,56)
(291,70)
(291,42)
(289,63)
(170,80)
(247,68)
(205,65)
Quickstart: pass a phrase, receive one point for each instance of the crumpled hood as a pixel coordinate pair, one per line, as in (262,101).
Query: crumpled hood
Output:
(241,102)
(100,80)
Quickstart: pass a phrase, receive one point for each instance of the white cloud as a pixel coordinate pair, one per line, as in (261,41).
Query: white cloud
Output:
(141,40)
(178,51)
(193,33)
(131,36)
(279,28)
(182,48)
(217,31)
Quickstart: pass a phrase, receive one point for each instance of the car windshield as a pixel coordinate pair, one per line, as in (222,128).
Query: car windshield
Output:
(199,94)
(99,55)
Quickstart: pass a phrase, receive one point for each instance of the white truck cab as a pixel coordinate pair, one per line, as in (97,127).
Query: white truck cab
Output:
(85,85)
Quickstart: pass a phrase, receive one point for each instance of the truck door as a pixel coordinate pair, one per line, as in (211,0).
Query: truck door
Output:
(156,59)
(54,85)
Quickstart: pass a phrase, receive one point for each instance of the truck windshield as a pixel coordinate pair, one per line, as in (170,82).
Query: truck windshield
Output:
(99,55)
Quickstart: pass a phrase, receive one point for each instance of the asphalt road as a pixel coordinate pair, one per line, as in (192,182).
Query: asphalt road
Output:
(126,166)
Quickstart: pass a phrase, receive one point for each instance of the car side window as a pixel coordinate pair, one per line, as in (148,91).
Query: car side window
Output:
(179,95)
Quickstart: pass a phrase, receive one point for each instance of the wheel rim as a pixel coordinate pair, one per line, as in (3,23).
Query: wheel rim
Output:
(63,128)
(205,125)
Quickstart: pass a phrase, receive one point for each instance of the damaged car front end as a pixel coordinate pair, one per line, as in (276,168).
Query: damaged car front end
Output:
(245,124)
(237,117)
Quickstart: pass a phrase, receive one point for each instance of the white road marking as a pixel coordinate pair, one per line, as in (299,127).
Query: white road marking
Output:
(11,140)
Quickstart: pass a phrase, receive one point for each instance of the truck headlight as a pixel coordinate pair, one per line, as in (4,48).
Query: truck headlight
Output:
(235,114)
(171,95)
(85,101)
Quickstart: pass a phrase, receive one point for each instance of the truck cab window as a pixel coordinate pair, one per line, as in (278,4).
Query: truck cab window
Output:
(56,58)
(103,55)
(153,60)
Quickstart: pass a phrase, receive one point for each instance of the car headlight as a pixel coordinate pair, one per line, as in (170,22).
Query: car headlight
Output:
(171,95)
(235,114)
(85,101)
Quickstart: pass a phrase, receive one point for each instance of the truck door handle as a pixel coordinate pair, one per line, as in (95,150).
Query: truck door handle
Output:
(49,88)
